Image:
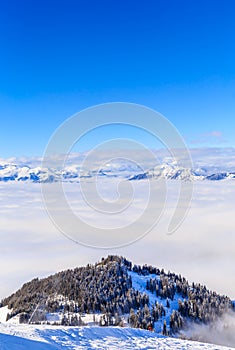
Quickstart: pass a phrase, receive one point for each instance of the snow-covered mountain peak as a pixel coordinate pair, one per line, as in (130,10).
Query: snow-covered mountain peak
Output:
(123,169)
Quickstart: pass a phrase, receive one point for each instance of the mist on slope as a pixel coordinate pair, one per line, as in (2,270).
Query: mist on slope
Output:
(221,332)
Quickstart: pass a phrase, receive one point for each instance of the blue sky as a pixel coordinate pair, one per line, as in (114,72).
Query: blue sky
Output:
(58,57)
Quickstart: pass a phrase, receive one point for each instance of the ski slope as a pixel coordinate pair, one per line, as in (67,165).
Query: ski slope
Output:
(48,336)
(20,337)
(139,283)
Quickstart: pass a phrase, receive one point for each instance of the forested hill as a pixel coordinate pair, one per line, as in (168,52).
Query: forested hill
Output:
(116,292)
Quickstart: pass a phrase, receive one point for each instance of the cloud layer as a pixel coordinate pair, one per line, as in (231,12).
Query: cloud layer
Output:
(221,332)
(202,248)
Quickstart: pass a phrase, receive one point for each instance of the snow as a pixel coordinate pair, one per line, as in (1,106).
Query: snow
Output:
(16,343)
(57,337)
(3,313)
(139,283)
(87,319)
(48,336)
(121,169)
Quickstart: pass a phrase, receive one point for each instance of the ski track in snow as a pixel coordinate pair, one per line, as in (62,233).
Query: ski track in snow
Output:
(15,336)
(22,337)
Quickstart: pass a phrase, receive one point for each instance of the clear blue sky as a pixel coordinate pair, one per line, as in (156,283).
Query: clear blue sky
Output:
(58,57)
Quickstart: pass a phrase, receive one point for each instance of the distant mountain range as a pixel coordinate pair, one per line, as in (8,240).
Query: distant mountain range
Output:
(173,172)
(74,173)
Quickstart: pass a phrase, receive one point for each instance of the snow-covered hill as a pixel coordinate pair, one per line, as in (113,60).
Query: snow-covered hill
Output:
(24,337)
(74,172)
(114,292)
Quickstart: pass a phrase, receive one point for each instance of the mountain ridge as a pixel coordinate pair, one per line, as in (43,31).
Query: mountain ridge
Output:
(116,292)
(75,173)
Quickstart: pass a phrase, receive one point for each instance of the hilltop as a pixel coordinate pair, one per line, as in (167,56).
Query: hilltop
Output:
(116,292)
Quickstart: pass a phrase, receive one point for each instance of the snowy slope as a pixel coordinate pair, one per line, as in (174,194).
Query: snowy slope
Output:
(139,283)
(27,336)
(3,313)
(115,338)
(150,286)
(11,342)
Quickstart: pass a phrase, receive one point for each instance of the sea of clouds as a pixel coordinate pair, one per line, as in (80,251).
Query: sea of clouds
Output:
(202,249)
